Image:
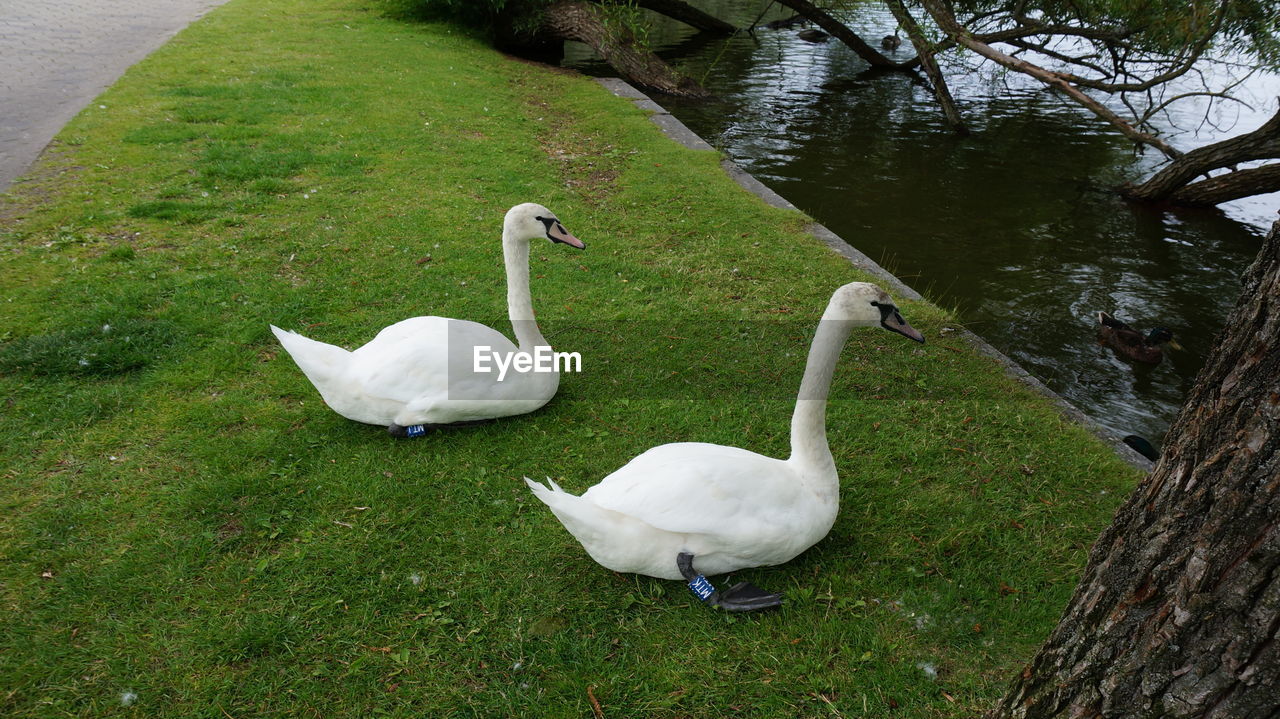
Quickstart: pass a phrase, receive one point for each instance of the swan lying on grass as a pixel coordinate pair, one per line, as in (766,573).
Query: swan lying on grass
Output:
(420,373)
(722,507)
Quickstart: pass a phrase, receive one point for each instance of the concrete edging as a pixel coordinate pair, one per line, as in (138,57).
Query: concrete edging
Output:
(677,131)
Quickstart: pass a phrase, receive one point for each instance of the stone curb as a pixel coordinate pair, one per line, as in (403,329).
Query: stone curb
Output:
(677,131)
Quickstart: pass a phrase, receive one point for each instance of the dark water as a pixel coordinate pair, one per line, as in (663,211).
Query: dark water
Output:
(1014,226)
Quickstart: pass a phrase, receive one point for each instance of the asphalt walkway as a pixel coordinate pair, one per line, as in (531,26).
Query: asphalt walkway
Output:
(57,55)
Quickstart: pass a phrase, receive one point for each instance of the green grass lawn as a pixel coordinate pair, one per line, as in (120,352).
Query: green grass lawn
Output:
(187,531)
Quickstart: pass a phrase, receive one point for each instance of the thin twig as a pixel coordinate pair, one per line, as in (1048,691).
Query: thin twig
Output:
(831,706)
(595,703)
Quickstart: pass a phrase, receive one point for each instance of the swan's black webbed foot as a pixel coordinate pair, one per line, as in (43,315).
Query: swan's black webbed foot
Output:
(747,597)
(741,597)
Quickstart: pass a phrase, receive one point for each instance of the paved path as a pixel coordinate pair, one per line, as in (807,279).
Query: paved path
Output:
(57,55)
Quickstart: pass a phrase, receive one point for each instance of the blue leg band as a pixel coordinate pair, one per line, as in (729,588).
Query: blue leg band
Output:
(701,587)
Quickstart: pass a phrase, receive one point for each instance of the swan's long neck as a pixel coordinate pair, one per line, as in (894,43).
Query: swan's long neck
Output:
(515,254)
(809,450)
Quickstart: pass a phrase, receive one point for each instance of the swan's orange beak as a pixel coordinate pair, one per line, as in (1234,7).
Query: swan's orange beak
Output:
(895,323)
(557,233)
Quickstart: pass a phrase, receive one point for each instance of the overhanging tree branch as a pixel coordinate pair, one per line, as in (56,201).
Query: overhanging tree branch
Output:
(925,54)
(1261,144)
(1193,56)
(689,15)
(944,16)
(838,30)
(584,22)
(1231,186)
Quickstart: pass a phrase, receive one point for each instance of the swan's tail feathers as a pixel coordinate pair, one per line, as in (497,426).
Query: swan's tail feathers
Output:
(613,539)
(320,362)
(584,520)
(543,492)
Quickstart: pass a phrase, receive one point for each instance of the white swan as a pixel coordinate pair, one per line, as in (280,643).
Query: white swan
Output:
(727,507)
(420,372)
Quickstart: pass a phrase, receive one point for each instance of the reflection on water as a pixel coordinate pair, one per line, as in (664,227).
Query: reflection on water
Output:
(1014,226)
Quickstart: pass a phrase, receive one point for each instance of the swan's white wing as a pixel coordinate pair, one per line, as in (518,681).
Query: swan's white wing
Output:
(406,360)
(423,370)
(695,488)
(413,358)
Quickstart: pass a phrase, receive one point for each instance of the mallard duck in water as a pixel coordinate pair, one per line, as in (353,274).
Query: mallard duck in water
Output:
(1130,343)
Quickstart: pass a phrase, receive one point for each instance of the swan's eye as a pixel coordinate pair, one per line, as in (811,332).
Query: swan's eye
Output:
(887,310)
(548,222)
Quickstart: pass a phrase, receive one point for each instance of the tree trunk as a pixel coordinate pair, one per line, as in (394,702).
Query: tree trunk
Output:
(1178,609)
(925,53)
(689,15)
(1231,186)
(1261,144)
(585,23)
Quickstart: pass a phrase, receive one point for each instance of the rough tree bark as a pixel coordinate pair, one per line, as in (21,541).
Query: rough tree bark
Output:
(585,22)
(1170,183)
(1231,186)
(1178,609)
